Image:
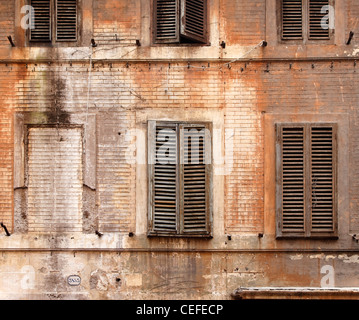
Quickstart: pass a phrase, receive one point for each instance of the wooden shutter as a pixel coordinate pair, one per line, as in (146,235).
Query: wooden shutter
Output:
(322,165)
(179,163)
(292,19)
(194,179)
(306,179)
(42,20)
(166,21)
(292,179)
(194,20)
(316,30)
(165,191)
(66,20)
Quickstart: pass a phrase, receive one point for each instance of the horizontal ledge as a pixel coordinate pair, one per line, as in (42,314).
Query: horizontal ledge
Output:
(199,60)
(295,293)
(186,250)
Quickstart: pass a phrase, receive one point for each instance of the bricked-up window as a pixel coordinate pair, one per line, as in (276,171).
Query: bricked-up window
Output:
(307,19)
(306,180)
(55,179)
(179,179)
(54,20)
(180,21)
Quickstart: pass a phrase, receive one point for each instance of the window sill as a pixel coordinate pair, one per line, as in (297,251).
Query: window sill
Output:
(163,235)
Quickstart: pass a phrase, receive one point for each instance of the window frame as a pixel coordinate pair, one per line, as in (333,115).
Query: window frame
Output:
(305,26)
(181,40)
(151,150)
(307,233)
(54,26)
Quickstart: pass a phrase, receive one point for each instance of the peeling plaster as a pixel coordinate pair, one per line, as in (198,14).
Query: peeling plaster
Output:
(349,259)
(296,257)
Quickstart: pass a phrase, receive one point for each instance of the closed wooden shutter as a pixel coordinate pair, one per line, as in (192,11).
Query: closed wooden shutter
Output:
(165,192)
(194,20)
(306,180)
(66,20)
(322,164)
(293,198)
(42,20)
(179,179)
(166,21)
(195,179)
(292,19)
(316,30)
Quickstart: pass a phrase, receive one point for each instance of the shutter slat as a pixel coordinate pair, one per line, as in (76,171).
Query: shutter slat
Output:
(322,179)
(292,19)
(42,18)
(292,179)
(66,20)
(315,18)
(194,20)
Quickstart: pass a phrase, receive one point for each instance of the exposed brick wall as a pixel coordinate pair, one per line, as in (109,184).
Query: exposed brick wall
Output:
(244,91)
(7,21)
(7,80)
(352,16)
(117,90)
(117,22)
(243,21)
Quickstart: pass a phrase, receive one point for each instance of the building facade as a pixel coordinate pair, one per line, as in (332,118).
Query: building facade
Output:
(179,149)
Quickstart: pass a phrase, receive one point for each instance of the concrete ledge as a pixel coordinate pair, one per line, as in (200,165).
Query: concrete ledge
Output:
(295,293)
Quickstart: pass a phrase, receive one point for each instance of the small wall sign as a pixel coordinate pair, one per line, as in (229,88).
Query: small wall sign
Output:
(74,280)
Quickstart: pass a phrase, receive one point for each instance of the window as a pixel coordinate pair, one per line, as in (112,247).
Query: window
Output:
(306,180)
(54,20)
(180,21)
(307,19)
(179,179)
(55,179)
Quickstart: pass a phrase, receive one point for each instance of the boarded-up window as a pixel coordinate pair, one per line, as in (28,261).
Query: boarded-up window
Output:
(54,19)
(179,175)
(307,19)
(180,21)
(306,180)
(54,179)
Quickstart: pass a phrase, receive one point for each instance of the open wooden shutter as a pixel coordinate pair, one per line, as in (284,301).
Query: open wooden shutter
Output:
(194,178)
(66,20)
(166,21)
(292,179)
(322,165)
(316,30)
(292,19)
(194,20)
(165,176)
(42,20)
(306,179)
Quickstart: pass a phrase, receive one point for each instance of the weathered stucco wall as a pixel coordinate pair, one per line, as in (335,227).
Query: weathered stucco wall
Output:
(108,93)
(166,275)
